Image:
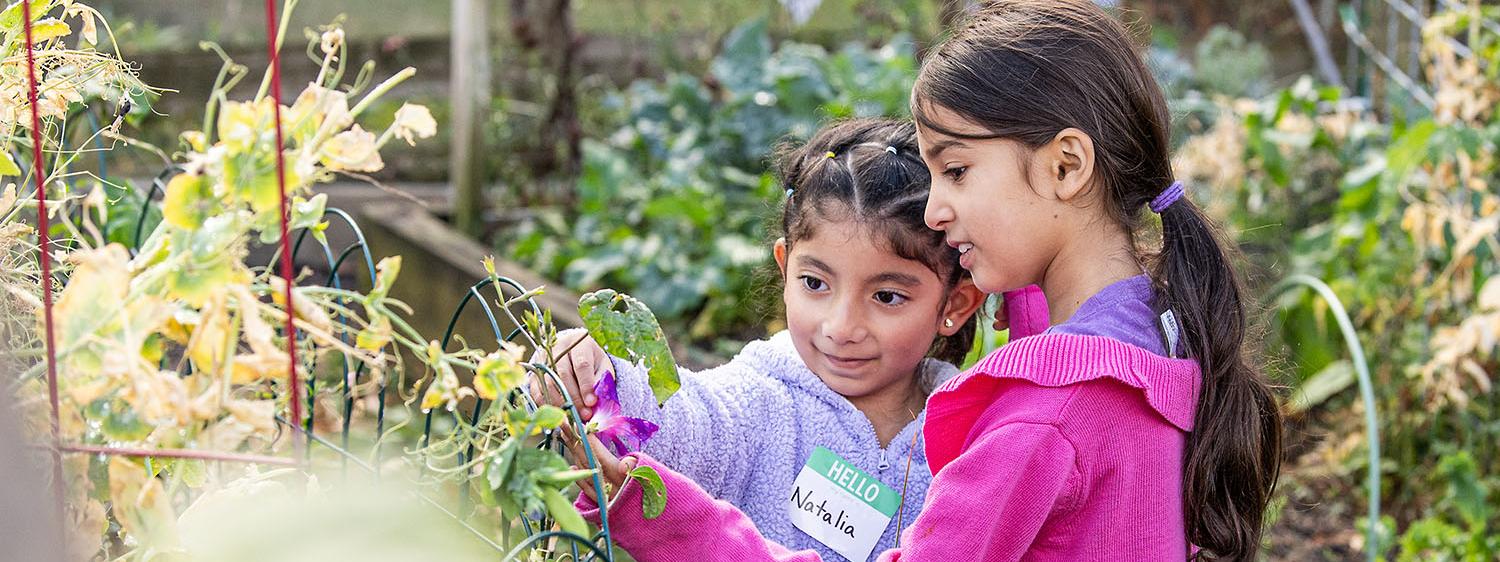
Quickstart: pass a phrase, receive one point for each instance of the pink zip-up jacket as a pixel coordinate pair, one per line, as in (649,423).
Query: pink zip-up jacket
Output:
(1060,446)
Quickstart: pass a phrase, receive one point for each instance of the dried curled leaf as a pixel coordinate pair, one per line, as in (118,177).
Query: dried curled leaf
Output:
(141,505)
(445,389)
(414,122)
(354,150)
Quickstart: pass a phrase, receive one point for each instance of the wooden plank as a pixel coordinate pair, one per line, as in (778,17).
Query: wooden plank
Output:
(440,263)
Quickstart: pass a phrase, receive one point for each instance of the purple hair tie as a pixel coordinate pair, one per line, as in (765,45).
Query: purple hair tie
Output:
(1168,196)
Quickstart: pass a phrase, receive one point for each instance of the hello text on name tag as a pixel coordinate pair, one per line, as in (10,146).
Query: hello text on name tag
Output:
(841,506)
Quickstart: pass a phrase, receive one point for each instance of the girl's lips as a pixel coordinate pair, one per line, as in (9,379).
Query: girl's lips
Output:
(847,363)
(966,259)
(965,252)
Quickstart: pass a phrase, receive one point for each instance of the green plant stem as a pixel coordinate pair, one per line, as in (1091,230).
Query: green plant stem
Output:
(286,20)
(364,103)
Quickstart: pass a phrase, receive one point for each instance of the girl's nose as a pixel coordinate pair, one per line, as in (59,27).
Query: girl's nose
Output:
(938,214)
(844,324)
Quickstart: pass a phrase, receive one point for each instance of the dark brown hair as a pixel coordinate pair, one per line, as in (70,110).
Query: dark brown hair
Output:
(869,171)
(1024,70)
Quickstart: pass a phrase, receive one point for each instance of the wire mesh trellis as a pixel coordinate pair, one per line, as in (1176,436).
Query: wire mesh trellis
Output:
(303,429)
(538,528)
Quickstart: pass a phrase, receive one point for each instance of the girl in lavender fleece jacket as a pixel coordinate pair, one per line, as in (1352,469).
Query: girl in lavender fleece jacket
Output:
(877,311)
(1134,428)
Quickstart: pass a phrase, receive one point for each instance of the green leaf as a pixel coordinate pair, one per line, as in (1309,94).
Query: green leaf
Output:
(564,513)
(251,178)
(48,29)
(550,417)
(1465,488)
(188,201)
(376,336)
(741,62)
(308,213)
(625,327)
(385,276)
(1318,388)
(565,477)
(194,472)
(1359,186)
(120,422)
(8,165)
(653,491)
(10,19)
(1410,148)
(521,484)
(495,473)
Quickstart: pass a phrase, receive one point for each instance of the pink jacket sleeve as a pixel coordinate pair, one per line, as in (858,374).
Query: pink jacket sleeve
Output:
(694,522)
(988,504)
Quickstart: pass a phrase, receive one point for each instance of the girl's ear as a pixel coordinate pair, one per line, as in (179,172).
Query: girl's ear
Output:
(779,250)
(963,302)
(1069,164)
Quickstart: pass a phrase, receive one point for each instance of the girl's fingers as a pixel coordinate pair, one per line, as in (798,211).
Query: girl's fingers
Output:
(541,391)
(594,356)
(586,485)
(611,468)
(571,380)
(1002,318)
(575,366)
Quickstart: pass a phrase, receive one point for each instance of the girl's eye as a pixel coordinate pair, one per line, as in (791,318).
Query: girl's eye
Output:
(956,173)
(891,298)
(813,283)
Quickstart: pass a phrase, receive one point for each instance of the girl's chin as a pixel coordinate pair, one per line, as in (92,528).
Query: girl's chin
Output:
(987,283)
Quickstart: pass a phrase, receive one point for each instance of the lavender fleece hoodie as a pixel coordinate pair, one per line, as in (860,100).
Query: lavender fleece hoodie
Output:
(744,430)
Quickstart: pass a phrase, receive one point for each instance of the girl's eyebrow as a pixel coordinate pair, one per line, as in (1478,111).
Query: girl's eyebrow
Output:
(815,263)
(938,147)
(903,279)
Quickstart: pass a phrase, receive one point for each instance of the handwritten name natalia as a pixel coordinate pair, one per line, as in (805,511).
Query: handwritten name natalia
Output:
(805,502)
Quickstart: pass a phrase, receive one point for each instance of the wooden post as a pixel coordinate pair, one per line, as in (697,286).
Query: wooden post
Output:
(470,96)
(1318,42)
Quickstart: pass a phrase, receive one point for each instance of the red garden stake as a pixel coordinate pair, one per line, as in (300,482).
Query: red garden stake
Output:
(38,170)
(286,241)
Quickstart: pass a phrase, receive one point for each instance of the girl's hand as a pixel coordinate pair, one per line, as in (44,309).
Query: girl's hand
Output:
(1002,318)
(612,469)
(581,367)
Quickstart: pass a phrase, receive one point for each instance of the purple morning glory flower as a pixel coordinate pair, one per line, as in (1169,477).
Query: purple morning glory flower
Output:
(621,434)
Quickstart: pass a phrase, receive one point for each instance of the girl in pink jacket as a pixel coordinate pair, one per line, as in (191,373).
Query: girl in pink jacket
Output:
(1134,428)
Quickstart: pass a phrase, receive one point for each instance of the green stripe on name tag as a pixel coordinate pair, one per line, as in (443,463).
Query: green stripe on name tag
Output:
(857,482)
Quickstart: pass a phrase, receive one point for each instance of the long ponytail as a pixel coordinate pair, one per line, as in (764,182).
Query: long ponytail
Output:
(1234,451)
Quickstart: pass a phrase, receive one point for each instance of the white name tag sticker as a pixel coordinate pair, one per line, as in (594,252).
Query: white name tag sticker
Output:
(841,506)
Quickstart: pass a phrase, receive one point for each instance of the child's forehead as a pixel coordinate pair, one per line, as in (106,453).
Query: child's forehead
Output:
(938,122)
(855,248)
